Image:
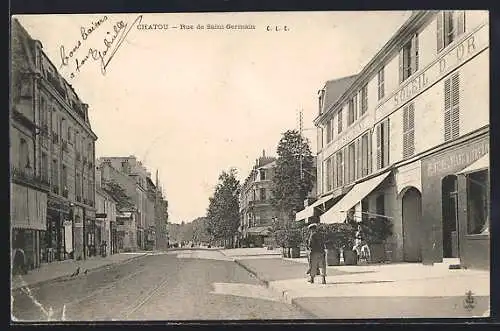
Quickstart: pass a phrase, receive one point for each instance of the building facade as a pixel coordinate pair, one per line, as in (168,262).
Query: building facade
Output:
(394,139)
(105,216)
(60,146)
(256,211)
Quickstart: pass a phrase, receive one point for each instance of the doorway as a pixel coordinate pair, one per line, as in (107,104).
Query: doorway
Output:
(412,217)
(449,202)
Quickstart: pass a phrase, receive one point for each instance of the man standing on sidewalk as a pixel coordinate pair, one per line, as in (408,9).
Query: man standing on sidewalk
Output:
(316,245)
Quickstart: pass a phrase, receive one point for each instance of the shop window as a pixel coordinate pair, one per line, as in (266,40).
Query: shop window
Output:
(478,203)
(408,59)
(450,25)
(452,107)
(381,83)
(408,131)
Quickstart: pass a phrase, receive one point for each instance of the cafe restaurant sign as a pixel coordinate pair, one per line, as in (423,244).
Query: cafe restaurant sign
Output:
(469,46)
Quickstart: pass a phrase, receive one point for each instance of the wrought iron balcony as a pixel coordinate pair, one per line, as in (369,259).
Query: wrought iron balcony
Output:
(27,176)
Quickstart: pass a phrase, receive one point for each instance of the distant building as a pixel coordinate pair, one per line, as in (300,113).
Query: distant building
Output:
(256,212)
(106,212)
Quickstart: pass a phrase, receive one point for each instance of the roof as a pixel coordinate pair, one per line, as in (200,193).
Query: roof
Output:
(334,90)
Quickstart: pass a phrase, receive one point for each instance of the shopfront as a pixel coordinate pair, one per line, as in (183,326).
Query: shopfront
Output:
(90,230)
(28,222)
(444,198)
(55,247)
(474,214)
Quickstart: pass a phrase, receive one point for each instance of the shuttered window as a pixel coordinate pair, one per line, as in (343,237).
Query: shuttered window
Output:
(452,107)
(320,139)
(408,130)
(450,25)
(408,59)
(339,120)
(382,136)
(364,99)
(381,84)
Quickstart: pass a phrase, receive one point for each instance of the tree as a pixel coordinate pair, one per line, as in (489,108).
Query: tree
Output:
(223,209)
(200,230)
(123,201)
(293,178)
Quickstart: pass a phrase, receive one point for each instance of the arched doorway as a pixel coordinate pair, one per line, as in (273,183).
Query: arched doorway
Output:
(412,224)
(449,201)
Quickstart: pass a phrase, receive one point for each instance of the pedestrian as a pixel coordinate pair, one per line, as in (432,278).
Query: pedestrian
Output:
(316,245)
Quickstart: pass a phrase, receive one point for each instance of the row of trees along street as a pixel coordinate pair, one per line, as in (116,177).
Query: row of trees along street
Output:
(292,183)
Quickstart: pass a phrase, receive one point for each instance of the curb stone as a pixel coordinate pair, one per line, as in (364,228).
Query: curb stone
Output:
(282,293)
(66,277)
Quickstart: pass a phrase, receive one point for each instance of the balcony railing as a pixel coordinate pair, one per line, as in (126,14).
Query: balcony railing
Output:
(26,175)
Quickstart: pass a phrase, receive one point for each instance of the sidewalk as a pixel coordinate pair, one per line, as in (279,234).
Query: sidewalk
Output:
(62,269)
(244,253)
(377,291)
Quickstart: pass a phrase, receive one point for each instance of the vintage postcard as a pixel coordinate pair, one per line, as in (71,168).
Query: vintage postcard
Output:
(250,165)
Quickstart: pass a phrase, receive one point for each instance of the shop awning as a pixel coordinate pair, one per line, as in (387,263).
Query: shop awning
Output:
(481,164)
(259,230)
(309,210)
(337,213)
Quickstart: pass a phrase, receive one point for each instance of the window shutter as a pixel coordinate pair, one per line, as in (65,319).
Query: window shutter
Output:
(333,172)
(405,132)
(455,106)
(379,146)
(359,164)
(440,30)
(355,102)
(386,143)
(460,15)
(344,166)
(411,128)
(370,153)
(447,109)
(401,65)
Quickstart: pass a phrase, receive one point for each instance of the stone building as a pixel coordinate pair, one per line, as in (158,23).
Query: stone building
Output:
(106,212)
(55,144)
(402,137)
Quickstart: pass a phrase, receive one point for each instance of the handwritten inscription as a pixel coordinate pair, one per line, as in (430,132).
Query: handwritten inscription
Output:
(104,54)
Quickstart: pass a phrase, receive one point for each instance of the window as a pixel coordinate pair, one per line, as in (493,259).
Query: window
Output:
(364,99)
(339,119)
(365,154)
(43,113)
(340,169)
(262,173)
(408,59)
(353,110)
(125,167)
(383,144)
(24,156)
(70,140)
(320,139)
(64,179)
(450,25)
(45,167)
(78,187)
(381,86)
(452,107)
(55,175)
(351,163)
(329,131)
(262,194)
(478,203)
(408,130)
(329,174)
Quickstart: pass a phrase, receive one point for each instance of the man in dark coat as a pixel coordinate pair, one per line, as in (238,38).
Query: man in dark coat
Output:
(316,245)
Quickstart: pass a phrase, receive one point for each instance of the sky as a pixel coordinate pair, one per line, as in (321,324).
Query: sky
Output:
(191,103)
